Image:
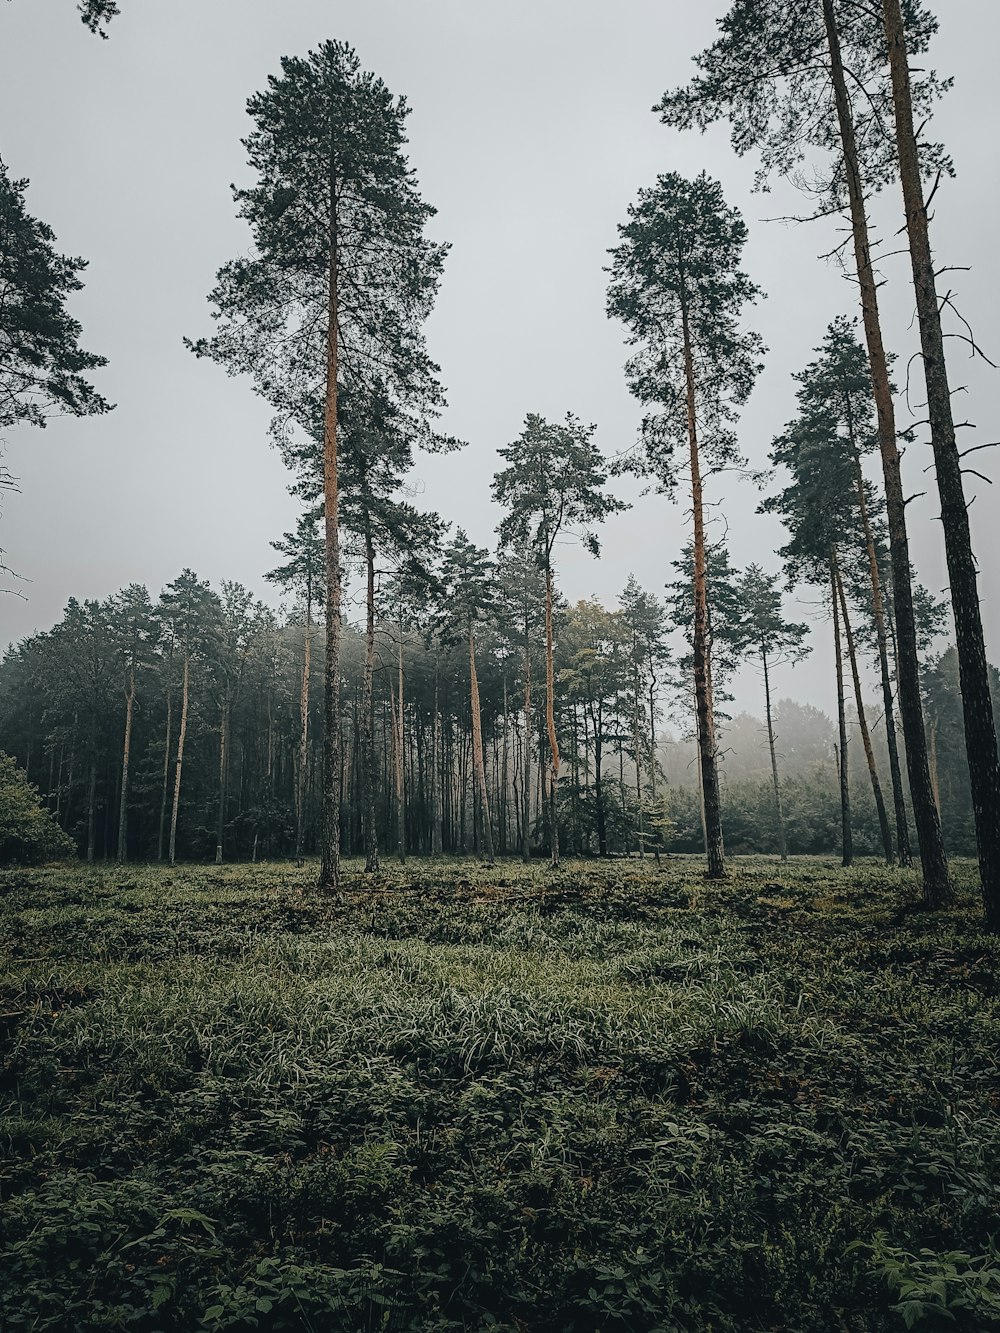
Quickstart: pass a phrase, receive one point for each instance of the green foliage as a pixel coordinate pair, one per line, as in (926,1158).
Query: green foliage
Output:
(28,833)
(768,74)
(677,286)
(607,1097)
(42,365)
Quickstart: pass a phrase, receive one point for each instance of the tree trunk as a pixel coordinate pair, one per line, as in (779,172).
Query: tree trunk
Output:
(400,763)
(329,875)
(977,702)
(550,714)
(866,740)
(526,771)
(437,804)
(300,776)
(707,748)
(779,812)
(934,864)
(220,826)
(637,742)
(847,843)
(166,779)
(126,756)
(368,715)
(92,802)
(179,765)
(599,810)
(878,613)
(477,750)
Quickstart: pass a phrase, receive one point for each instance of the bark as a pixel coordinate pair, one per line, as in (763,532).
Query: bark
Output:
(223,773)
(977,702)
(707,748)
(866,740)
(126,756)
(526,773)
(436,770)
(599,810)
(477,750)
(300,776)
(878,613)
(934,864)
(179,764)
(550,715)
(847,843)
(369,826)
(166,778)
(92,803)
(400,762)
(652,738)
(329,875)
(779,812)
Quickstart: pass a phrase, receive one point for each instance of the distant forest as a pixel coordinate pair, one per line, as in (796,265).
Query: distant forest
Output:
(191,728)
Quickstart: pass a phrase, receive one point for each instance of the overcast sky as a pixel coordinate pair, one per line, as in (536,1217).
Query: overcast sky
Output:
(531,132)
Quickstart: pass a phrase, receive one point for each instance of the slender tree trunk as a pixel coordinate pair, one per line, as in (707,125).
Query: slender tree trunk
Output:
(934,764)
(436,772)
(866,740)
(707,748)
(400,761)
(329,875)
(166,778)
(652,738)
(599,810)
(504,773)
(300,776)
(878,612)
(550,714)
(92,799)
(126,756)
(934,864)
(526,770)
(637,742)
(368,714)
(779,812)
(847,842)
(977,702)
(220,827)
(477,750)
(179,764)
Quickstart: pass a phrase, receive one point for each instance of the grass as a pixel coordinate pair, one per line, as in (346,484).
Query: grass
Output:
(612,1098)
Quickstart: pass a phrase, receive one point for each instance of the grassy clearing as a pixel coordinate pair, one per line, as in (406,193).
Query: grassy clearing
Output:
(613,1098)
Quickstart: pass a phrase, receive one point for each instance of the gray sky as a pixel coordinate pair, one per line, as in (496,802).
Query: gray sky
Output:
(531,133)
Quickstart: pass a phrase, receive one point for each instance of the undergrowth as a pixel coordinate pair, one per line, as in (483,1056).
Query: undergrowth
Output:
(612,1098)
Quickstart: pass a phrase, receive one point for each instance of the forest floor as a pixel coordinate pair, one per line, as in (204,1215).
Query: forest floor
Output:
(614,1097)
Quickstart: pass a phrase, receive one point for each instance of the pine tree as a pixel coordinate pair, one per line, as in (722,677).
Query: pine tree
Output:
(648,655)
(302,574)
(807,81)
(774,640)
(677,286)
(336,290)
(838,383)
(134,631)
(42,365)
(552,486)
(467,592)
(191,614)
(977,701)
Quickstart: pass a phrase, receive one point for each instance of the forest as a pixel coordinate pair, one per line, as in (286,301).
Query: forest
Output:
(420,947)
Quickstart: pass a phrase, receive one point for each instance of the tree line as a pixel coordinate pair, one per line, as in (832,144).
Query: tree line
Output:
(326,317)
(191,727)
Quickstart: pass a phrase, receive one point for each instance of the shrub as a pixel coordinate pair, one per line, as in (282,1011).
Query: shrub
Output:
(28,833)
